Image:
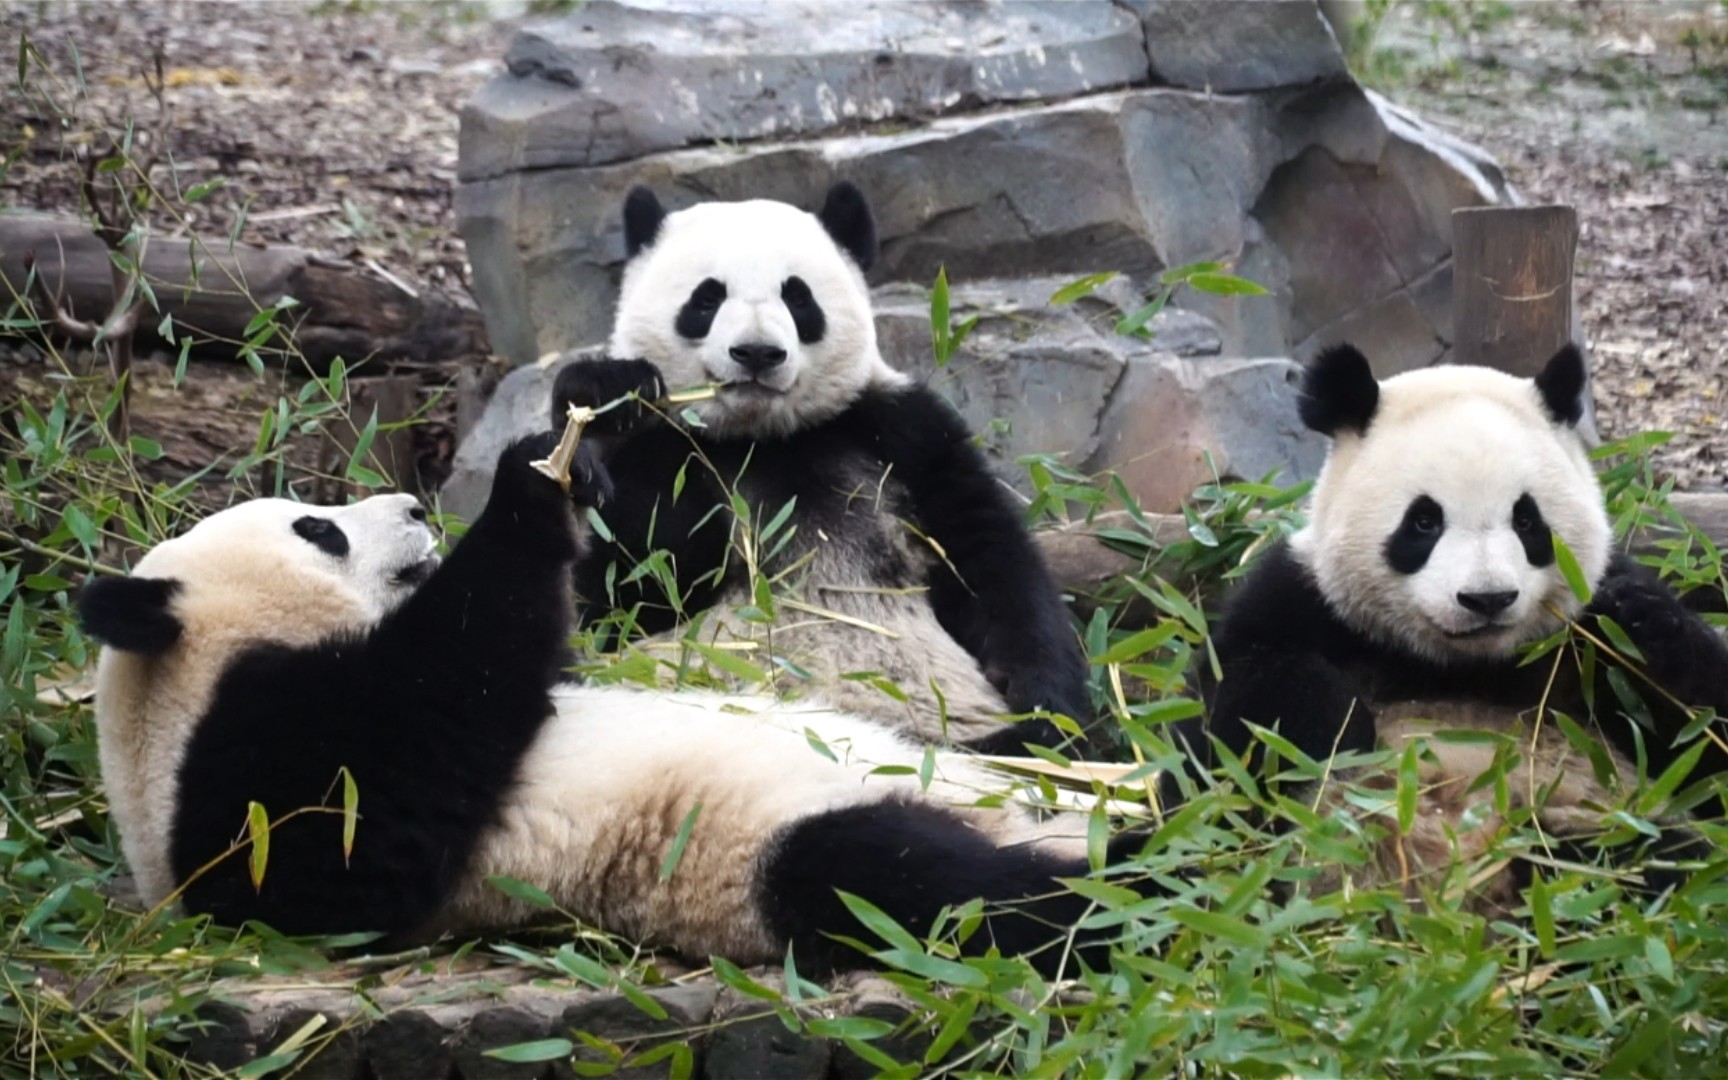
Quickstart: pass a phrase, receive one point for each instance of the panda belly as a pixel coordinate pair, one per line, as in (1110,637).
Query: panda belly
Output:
(853,597)
(612,779)
(1456,823)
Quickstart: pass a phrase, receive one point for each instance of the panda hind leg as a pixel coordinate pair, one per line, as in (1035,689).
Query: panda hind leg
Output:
(1657,865)
(911,859)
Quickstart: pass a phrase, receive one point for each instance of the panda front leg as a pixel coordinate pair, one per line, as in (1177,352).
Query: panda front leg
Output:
(1682,655)
(911,859)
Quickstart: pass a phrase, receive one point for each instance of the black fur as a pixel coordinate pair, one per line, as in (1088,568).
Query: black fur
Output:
(1533,531)
(323,534)
(911,860)
(847,217)
(806,313)
(993,593)
(1339,392)
(592,385)
(643,216)
(1290,662)
(130,613)
(1561,384)
(1409,546)
(430,711)
(696,317)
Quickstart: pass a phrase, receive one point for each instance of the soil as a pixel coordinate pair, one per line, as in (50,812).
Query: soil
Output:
(334,127)
(1621,111)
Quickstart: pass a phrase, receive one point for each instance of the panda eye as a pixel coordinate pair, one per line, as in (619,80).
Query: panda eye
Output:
(709,295)
(1425,523)
(323,534)
(794,293)
(1424,517)
(1527,516)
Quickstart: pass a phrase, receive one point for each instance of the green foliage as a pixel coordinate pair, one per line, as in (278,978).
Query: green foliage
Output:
(1255,963)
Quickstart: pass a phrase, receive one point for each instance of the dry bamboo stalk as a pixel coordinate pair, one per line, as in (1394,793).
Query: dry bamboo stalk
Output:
(557,466)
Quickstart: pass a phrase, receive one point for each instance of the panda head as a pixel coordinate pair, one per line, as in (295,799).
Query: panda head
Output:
(1431,525)
(264,570)
(761,299)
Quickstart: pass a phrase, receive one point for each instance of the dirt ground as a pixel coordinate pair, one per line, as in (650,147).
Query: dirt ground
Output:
(334,126)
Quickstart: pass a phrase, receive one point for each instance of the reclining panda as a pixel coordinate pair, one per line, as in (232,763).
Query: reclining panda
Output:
(274,645)
(1401,607)
(902,555)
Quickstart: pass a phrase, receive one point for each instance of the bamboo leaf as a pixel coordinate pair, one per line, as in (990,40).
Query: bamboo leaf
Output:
(669,865)
(258,832)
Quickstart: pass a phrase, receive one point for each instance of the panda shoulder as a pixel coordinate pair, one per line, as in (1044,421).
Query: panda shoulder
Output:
(908,424)
(1280,605)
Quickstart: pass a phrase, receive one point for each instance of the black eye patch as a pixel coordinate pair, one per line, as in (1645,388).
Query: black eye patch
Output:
(1533,531)
(323,534)
(696,317)
(806,313)
(1409,546)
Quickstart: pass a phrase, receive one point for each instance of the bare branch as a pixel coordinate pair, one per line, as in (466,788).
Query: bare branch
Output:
(63,320)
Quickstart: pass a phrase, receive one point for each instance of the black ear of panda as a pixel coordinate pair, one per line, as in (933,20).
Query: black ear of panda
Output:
(1339,392)
(643,215)
(1561,385)
(847,217)
(130,613)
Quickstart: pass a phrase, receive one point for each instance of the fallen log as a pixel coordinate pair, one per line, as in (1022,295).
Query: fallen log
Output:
(212,290)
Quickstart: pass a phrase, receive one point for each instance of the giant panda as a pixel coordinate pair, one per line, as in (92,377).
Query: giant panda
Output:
(902,556)
(1400,609)
(277,651)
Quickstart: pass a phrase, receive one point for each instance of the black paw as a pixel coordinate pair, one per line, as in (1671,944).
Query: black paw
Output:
(595,383)
(1651,615)
(590,483)
(519,489)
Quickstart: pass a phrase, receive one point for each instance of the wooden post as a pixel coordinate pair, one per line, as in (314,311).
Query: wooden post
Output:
(1512,285)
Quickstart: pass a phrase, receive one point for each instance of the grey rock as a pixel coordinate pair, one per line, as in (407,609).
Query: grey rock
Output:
(1133,181)
(407,1045)
(491,1030)
(522,405)
(747,1044)
(1175,423)
(621,79)
(616,1019)
(1229,46)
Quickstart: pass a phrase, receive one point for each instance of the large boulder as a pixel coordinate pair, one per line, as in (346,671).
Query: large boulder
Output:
(1001,140)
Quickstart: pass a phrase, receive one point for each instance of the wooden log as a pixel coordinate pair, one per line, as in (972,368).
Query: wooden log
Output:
(1512,285)
(212,291)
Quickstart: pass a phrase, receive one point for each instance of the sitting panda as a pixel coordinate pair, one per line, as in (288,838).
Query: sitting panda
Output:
(902,556)
(276,650)
(1401,607)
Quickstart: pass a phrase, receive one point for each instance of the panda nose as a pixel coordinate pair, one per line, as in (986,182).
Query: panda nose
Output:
(1487,603)
(757,357)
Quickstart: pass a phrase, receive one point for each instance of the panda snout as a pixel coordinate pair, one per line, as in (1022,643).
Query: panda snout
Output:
(757,356)
(1487,604)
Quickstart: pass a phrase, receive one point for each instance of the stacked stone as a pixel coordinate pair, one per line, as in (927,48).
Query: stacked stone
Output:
(1012,143)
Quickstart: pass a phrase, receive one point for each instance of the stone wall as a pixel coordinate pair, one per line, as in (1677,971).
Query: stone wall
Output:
(1028,141)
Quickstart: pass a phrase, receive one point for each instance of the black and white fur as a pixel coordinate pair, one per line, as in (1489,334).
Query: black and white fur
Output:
(899,527)
(274,645)
(1428,560)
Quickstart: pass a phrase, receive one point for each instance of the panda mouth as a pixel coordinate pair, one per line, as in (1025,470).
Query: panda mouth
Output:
(750,388)
(1485,630)
(415,574)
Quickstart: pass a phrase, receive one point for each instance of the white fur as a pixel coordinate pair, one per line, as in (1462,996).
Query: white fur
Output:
(614,776)
(246,578)
(602,792)
(1474,440)
(752,247)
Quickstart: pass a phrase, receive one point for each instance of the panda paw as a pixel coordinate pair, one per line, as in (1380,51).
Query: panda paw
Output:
(1651,615)
(523,489)
(593,383)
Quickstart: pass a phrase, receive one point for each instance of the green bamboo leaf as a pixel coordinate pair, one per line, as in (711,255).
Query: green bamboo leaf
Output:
(878,922)
(669,865)
(1084,287)
(258,832)
(1570,570)
(521,890)
(538,1050)
(350,812)
(1542,914)
(1217,284)
(1213,924)
(1409,783)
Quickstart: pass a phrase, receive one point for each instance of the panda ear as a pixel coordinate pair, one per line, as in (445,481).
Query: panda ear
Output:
(1339,392)
(847,217)
(1561,385)
(130,613)
(642,217)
